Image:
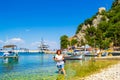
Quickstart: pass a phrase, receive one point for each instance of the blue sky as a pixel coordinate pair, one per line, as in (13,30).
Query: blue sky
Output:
(25,22)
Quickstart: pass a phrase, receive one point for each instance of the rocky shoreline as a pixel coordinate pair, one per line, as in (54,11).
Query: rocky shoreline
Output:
(111,73)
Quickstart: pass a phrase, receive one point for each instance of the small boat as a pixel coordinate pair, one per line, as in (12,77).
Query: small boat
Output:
(73,57)
(10,54)
(9,51)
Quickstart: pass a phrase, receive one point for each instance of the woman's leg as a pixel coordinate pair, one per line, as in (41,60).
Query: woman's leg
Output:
(63,70)
(59,69)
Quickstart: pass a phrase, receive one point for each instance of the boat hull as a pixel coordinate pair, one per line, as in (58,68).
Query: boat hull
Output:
(73,57)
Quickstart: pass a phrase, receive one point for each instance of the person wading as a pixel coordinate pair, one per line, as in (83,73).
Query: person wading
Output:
(59,61)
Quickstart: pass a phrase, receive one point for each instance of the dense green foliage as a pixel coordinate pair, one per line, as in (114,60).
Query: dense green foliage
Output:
(64,41)
(73,42)
(90,35)
(107,31)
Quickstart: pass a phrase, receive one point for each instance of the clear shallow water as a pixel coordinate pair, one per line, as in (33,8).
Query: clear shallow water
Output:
(32,66)
(27,65)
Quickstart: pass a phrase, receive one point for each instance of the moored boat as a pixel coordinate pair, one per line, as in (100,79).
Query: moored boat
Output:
(74,57)
(9,51)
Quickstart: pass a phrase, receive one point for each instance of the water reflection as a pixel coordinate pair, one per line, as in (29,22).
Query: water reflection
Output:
(10,60)
(41,59)
(7,64)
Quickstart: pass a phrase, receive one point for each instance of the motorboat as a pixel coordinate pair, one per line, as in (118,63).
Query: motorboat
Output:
(9,54)
(73,57)
(76,55)
(9,51)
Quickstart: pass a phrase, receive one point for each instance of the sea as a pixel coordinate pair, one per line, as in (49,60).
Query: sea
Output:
(27,65)
(30,66)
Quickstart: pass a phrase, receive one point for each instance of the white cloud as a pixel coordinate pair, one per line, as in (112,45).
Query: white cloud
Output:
(15,41)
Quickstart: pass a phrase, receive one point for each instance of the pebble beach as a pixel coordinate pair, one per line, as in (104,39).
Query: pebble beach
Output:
(111,73)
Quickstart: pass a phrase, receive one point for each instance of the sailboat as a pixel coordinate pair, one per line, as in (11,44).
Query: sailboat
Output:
(43,47)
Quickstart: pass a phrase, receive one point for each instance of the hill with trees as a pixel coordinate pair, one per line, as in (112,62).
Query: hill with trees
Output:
(101,30)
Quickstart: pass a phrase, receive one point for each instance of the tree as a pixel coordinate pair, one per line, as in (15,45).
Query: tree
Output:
(82,42)
(73,42)
(64,41)
(114,33)
(103,26)
(105,43)
(90,35)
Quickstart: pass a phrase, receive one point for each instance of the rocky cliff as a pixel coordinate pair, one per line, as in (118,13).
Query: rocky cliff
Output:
(100,30)
(96,20)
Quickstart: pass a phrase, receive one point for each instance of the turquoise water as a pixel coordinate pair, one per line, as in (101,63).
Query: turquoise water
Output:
(28,66)
(32,66)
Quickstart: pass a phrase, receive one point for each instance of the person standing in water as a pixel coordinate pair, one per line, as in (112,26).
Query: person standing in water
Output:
(60,63)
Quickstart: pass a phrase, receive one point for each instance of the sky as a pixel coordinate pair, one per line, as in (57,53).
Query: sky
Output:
(26,22)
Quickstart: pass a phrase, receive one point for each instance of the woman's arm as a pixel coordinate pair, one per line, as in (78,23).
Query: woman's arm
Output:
(57,60)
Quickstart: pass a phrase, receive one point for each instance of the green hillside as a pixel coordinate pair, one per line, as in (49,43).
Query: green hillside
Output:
(107,31)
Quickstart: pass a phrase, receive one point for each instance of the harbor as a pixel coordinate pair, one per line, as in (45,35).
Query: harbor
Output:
(60,40)
(41,64)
